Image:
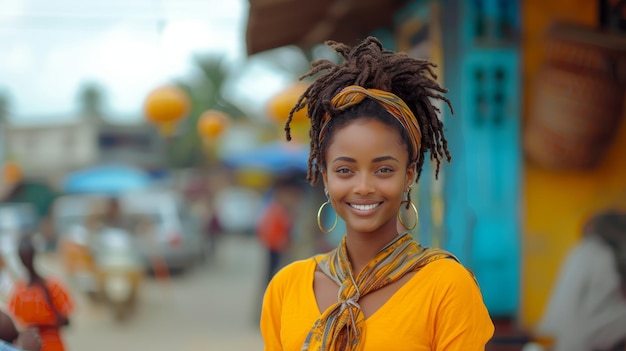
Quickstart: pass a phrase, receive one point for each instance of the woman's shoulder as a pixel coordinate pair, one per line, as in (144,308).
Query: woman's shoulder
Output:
(54,281)
(293,275)
(18,286)
(296,269)
(448,271)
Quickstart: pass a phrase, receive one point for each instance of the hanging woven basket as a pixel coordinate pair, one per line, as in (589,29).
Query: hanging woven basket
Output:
(573,118)
(577,100)
(597,52)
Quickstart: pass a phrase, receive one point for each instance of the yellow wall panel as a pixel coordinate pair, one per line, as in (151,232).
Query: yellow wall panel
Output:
(557,203)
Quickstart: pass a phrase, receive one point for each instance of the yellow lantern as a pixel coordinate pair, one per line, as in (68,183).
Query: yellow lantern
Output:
(164,106)
(279,106)
(212,123)
(11,172)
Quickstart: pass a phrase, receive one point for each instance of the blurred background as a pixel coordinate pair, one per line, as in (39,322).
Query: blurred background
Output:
(160,124)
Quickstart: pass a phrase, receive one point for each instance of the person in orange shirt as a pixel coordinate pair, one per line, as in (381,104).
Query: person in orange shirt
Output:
(273,229)
(43,304)
(372,121)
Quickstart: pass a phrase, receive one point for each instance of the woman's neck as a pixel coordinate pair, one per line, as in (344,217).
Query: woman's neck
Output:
(363,247)
(34,278)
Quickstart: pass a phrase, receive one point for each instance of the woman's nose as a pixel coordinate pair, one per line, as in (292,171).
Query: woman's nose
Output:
(364,185)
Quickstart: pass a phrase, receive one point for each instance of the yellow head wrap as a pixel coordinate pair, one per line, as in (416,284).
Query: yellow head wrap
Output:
(354,94)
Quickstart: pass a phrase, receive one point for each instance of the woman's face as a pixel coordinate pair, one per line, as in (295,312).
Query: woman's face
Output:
(366,174)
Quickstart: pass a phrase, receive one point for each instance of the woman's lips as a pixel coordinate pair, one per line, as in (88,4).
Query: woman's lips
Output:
(365,207)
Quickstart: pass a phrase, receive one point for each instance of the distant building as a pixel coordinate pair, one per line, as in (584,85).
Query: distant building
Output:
(137,144)
(53,149)
(49,151)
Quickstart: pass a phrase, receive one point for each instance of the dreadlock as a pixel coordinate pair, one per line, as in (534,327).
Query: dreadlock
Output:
(370,66)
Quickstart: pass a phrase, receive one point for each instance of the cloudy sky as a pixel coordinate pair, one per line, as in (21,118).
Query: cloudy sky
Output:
(48,48)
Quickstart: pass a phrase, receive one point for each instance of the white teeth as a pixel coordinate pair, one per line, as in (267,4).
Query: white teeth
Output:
(364,207)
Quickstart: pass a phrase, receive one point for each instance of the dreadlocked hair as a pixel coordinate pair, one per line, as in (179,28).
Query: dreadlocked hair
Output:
(370,66)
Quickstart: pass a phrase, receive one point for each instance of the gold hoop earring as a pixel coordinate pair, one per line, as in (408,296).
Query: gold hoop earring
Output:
(414,211)
(319,219)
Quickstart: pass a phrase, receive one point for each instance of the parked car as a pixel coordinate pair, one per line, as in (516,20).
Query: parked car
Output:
(239,209)
(169,232)
(71,212)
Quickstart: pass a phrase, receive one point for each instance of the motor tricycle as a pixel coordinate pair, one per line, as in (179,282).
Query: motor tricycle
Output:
(120,269)
(107,267)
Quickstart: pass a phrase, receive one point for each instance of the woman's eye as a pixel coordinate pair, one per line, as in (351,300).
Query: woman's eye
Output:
(343,171)
(385,170)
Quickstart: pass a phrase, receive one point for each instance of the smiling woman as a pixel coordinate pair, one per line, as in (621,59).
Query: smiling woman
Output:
(372,122)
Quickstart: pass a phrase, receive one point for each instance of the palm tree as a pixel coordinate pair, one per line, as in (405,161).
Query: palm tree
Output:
(205,91)
(5,105)
(90,98)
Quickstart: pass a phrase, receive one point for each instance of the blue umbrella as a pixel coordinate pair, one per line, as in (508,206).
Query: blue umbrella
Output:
(276,157)
(106,180)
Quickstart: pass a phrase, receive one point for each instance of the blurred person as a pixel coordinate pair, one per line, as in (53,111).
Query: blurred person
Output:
(107,214)
(204,208)
(213,229)
(372,121)
(586,310)
(27,340)
(8,330)
(41,303)
(113,216)
(6,281)
(276,222)
(76,246)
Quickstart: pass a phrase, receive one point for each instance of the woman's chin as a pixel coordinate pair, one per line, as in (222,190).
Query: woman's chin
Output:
(372,228)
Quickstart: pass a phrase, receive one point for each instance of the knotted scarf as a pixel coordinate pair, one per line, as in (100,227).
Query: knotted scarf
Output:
(354,94)
(340,328)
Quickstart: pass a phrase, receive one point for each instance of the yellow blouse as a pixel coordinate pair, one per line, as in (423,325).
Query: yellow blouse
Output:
(440,309)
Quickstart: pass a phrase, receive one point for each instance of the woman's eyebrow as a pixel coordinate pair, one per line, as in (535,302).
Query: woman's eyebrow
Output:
(375,160)
(385,158)
(344,159)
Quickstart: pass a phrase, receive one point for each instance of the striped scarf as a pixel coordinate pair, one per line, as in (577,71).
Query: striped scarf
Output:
(340,328)
(354,94)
